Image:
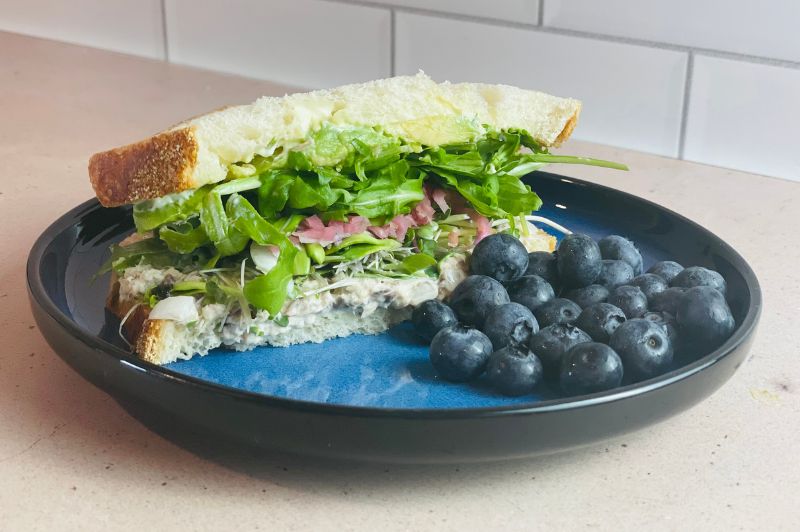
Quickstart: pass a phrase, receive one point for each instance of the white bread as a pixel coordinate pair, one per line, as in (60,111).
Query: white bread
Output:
(200,151)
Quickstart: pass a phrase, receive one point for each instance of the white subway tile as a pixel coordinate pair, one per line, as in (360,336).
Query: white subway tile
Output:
(304,43)
(523,11)
(129,26)
(767,28)
(744,115)
(632,95)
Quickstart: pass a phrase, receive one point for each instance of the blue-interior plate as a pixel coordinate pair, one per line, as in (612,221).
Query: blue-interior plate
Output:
(382,377)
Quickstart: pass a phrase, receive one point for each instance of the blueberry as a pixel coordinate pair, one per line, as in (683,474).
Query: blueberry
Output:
(699,276)
(600,321)
(552,343)
(649,283)
(432,316)
(666,301)
(475,296)
(704,318)
(510,324)
(644,348)
(514,371)
(557,310)
(530,290)
(667,321)
(500,256)
(588,295)
(666,269)
(615,247)
(630,299)
(614,273)
(460,353)
(589,368)
(543,264)
(578,261)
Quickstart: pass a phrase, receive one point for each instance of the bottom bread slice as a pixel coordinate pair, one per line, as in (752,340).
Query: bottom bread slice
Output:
(165,341)
(368,307)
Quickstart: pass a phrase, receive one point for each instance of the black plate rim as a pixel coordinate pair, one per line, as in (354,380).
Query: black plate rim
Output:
(39,295)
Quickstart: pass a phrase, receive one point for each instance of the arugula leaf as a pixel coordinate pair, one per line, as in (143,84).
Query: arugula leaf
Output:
(246,219)
(274,192)
(362,250)
(227,239)
(149,214)
(183,237)
(547,158)
(390,194)
(352,240)
(417,262)
(515,197)
(148,251)
(237,185)
(289,224)
(268,291)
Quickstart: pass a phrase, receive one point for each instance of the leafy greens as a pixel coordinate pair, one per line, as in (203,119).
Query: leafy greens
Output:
(335,173)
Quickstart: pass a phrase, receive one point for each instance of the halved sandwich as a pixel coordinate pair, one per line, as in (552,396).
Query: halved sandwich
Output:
(320,214)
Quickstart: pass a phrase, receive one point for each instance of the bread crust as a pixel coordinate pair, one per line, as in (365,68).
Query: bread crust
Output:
(149,339)
(568,128)
(151,168)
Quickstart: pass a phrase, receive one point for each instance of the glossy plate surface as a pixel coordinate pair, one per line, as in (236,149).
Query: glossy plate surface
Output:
(377,397)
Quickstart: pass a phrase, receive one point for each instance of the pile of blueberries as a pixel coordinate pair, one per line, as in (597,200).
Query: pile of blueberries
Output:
(610,323)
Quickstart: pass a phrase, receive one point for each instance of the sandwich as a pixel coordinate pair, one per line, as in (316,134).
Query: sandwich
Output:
(322,214)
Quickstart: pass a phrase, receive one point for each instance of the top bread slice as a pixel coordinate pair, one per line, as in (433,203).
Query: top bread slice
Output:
(200,151)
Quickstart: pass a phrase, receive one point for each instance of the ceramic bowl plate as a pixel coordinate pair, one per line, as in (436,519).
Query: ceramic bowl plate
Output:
(377,397)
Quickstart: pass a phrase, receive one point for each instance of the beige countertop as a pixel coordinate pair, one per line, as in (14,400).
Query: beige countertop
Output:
(72,459)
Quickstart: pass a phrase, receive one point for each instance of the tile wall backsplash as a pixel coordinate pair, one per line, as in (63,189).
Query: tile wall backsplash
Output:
(714,81)
(744,115)
(303,43)
(590,70)
(130,26)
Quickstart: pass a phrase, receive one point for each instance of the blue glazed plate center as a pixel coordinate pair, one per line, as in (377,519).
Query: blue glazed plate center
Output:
(389,370)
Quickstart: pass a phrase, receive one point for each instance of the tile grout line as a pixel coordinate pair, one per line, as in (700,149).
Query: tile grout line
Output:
(164,29)
(580,34)
(687,94)
(392,42)
(541,13)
